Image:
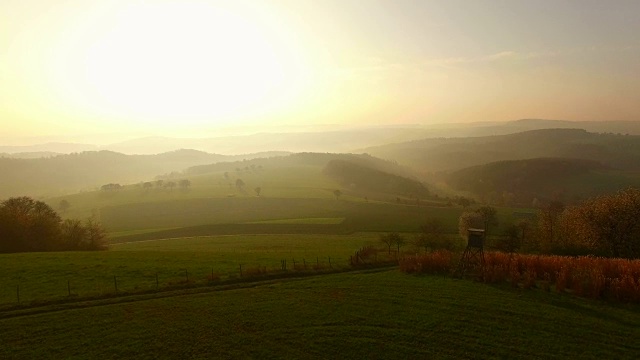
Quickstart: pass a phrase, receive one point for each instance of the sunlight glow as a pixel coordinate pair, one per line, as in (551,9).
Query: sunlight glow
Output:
(168,60)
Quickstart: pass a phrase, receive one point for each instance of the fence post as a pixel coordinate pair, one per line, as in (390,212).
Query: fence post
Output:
(186,274)
(240,270)
(294,264)
(331,266)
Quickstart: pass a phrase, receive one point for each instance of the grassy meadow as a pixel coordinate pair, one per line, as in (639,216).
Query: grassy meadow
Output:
(222,236)
(48,276)
(372,315)
(293,199)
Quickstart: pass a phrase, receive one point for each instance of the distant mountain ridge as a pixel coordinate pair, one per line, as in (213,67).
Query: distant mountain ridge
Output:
(325,140)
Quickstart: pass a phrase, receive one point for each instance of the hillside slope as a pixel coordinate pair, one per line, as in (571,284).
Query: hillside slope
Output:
(88,170)
(304,159)
(448,154)
(520,181)
(363,178)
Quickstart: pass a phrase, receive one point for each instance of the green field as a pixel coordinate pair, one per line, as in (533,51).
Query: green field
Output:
(330,221)
(282,182)
(370,315)
(47,276)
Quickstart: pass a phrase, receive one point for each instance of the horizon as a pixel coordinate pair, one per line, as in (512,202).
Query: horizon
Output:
(102,141)
(149,144)
(111,71)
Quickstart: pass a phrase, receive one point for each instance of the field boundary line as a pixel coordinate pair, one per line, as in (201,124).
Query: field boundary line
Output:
(115,299)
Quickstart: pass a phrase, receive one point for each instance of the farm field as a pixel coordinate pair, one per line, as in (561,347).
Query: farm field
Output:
(298,182)
(48,276)
(375,315)
(242,216)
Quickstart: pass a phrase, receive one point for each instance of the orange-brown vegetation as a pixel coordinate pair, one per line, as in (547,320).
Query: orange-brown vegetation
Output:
(594,277)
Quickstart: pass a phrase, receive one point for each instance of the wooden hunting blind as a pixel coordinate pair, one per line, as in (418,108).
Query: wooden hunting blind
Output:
(473,256)
(475,238)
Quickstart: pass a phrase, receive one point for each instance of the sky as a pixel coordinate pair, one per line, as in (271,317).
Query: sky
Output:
(198,68)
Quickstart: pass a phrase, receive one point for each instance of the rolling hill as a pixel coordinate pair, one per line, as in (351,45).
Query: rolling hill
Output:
(521,181)
(365,179)
(88,170)
(449,154)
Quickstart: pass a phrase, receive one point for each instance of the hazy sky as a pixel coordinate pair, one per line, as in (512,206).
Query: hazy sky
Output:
(187,67)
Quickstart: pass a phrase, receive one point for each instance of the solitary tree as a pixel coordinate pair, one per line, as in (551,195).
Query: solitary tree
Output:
(64,205)
(489,217)
(337,193)
(96,235)
(258,190)
(185,184)
(548,217)
(389,240)
(469,220)
(240,184)
(430,235)
(399,241)
(464,202)
(510,241)
(147,185)
(523,226)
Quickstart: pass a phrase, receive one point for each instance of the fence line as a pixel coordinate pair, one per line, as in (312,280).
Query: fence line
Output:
(132,284)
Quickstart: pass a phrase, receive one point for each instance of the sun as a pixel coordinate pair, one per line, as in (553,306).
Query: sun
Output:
(187,59)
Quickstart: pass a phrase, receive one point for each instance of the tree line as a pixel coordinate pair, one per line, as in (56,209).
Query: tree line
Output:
(607,226)
(27,225)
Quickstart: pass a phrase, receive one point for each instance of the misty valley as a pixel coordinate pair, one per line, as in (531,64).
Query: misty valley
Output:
(96,232)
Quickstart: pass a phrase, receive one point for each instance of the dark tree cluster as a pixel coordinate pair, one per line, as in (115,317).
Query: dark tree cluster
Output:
(607,225)
(111,187)
(28,225)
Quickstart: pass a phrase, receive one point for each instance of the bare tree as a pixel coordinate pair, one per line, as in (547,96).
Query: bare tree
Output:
(387,239)
(399,241)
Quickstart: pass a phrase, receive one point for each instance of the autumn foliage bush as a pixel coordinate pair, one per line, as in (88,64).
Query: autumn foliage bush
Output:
(593,277)
(437,262)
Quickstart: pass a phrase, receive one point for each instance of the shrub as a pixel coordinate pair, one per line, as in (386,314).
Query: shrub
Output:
(587,276)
